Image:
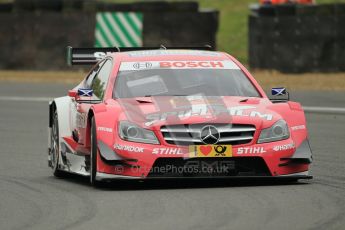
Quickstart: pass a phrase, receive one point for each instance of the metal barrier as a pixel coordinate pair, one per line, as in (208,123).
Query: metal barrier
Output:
(298,38)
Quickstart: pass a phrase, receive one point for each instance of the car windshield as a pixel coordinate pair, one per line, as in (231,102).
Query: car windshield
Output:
(183,82)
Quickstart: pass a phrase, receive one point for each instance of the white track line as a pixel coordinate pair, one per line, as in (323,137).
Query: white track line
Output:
(26,99)
(308,109)
(316,109)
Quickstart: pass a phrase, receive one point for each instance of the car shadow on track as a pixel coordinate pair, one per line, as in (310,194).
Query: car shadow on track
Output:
(160,184)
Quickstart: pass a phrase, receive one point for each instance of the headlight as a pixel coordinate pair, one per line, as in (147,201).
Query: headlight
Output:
(134,133)
(278,131)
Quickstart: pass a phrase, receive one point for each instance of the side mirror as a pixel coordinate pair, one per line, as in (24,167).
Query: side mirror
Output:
(279,94)
(72,93)
(83,96)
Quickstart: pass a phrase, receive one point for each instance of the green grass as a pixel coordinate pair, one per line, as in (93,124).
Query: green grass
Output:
(233,29)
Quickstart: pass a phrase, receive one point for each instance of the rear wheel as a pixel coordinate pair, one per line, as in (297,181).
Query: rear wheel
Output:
(55,147)
(93,155)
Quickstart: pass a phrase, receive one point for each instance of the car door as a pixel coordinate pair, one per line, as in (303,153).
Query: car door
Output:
(77,117)
(98,83)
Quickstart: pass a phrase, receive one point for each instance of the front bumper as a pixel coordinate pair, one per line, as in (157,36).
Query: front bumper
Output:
(271,160)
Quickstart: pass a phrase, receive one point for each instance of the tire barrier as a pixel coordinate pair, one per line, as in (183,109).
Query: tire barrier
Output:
(96,6)
(296,39)
(38,5)
(6,7)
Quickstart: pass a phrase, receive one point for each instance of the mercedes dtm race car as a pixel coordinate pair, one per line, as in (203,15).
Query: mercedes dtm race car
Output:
(174,113)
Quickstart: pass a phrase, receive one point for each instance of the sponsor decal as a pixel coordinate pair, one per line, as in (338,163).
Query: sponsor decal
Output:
(167,151)
(105,129)
(129,148)
(118,169)
(142,65)
(210,151)
(192,64)
(195,100)
(284,147)
(130,66)
(204,110)
(298,127)
(250,150)
(81,120)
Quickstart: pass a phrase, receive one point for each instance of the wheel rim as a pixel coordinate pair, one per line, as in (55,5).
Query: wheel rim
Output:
(54,145)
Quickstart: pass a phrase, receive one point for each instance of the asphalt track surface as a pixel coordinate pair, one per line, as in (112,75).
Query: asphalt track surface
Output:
(31,198)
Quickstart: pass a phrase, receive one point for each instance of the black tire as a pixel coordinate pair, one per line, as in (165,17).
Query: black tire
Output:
(93,155)
(55,147)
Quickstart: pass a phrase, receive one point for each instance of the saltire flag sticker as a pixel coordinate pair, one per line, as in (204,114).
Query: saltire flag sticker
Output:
(278,91)
(85,92)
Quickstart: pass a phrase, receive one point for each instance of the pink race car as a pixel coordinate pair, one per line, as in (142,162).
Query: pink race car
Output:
(143,113)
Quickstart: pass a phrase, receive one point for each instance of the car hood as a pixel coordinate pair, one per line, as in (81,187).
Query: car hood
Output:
(153,112)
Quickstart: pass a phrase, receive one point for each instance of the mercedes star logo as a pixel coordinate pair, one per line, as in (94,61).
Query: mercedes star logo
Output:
(209,135)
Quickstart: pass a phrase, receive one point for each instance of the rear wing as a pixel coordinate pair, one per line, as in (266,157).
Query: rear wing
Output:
(87,56)
(90,56)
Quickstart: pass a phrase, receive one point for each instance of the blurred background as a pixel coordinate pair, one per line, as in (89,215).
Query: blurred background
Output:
(281,41)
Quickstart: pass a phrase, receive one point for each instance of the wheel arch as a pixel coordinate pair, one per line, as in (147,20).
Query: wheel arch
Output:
(90,115)
(62,106)
(52,108)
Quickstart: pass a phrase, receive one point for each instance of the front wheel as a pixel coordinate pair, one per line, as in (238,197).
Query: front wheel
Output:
(55,147)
